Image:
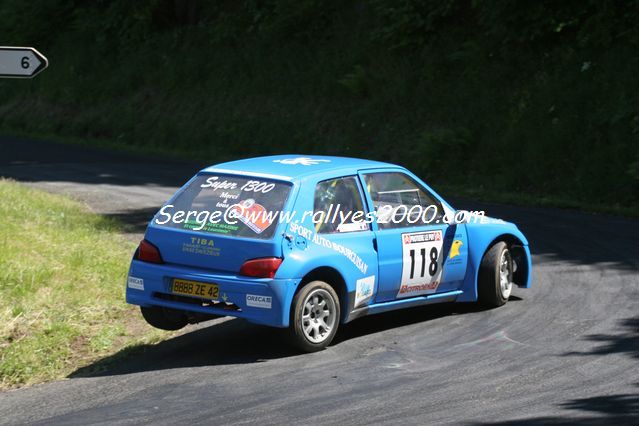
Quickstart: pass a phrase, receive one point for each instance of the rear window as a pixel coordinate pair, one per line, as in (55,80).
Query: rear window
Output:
(237,206)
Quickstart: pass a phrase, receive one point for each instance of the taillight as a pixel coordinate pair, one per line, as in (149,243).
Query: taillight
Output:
(264,267)
(147,252)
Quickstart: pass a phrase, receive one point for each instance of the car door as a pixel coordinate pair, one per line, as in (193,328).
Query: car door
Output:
(339,205)
(418,254)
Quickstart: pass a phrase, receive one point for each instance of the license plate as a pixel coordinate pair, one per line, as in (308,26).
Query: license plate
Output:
(194,288)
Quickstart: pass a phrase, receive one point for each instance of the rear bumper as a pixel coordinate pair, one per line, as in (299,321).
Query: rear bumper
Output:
(259,300)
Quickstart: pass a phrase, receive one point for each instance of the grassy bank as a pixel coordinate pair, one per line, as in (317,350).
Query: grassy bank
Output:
(537,99)
(62,275)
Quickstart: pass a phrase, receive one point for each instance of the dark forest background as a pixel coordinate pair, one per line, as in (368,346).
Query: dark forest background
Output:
(525,101)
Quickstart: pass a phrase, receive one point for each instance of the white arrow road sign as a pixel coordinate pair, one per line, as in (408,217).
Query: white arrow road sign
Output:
(21,62)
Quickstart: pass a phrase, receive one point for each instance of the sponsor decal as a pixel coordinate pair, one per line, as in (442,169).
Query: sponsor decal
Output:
(352,227)
(135,283)
(302,231)
(252,215)
(203,246)
(250,186)
(304,161)
(215,183)
(364,290)
(421,263)
(417,289)
(454,249)
(422,237)
(257,301)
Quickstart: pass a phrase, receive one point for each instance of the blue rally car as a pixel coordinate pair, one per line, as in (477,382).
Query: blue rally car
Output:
(309,243)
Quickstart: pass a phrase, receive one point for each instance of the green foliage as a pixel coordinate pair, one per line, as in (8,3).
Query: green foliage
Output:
(305,20)
(633,169)
(34,22)
(524,97)
(356,82)
(414,23)
(117,23)
(439,148)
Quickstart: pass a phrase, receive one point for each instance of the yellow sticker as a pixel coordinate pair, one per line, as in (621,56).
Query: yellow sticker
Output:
(454,249)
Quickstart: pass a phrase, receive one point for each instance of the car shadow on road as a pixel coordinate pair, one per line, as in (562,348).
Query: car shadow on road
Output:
(396,319)
(236,341)
(232,341)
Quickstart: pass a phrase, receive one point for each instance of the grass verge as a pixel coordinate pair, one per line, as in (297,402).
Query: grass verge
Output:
(62,274)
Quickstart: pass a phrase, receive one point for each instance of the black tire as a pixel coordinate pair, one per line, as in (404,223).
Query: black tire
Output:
(302,318)
(489,288)
(164,318)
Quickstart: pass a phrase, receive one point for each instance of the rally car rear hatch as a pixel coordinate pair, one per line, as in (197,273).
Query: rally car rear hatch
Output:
(208,251)
(219,221)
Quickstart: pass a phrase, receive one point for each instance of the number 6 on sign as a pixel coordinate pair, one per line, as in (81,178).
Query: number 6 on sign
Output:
(421,265)
(21,62)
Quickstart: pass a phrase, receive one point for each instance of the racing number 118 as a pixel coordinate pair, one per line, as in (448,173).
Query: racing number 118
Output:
(432,267)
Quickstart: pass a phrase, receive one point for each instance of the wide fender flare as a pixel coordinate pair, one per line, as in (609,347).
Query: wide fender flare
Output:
(481,237)
(334,269)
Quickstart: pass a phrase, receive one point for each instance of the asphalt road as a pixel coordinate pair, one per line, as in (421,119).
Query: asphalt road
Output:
(565,350)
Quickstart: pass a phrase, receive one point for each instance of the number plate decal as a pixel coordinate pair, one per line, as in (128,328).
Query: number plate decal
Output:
(195,288)
(421,263)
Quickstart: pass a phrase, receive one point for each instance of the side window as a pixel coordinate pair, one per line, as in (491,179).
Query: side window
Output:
(400,202)
(336,206)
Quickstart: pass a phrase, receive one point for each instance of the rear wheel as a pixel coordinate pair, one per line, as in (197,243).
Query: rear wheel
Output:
(316,314)
(164,318)
(495,281)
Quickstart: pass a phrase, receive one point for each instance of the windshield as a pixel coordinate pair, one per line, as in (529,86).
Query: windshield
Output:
(237,206)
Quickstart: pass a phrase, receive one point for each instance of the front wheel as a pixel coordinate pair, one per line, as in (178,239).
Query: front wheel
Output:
(495,282)
(315,316)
